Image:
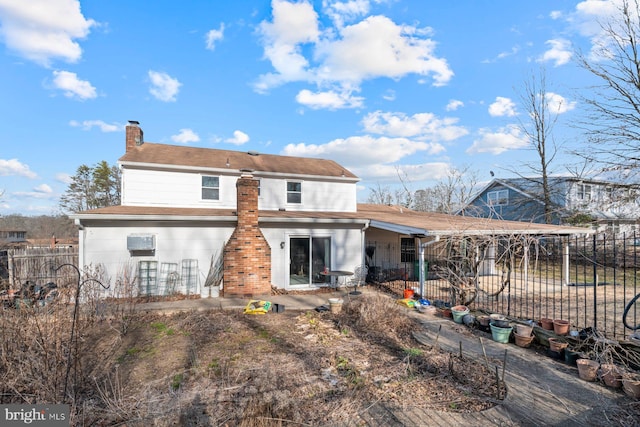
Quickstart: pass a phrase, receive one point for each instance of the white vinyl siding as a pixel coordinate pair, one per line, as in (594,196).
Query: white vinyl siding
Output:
(184,189)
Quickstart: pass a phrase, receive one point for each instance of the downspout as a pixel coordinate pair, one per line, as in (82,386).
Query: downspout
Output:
(421,261)
(81,232)
(363,242)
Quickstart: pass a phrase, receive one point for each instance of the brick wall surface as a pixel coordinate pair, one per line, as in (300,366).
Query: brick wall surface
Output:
(247,255)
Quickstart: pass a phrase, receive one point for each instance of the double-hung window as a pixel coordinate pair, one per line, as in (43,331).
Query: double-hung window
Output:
(498,198)
(584,192)
(210,187)
(294,192)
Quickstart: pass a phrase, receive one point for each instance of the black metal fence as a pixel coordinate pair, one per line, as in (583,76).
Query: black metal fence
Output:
(591,280)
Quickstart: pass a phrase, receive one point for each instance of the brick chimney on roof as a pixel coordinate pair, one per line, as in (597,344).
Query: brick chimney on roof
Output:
(247,254)
(134,135)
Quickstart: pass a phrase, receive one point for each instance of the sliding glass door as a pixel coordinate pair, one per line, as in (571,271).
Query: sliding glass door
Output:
(308,257)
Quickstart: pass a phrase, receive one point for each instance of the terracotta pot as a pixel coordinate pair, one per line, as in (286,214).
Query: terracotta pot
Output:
(557,345)
(631,387)
(446,312)
(546,324)
(523,340)
(561,327)
(524,330)
(588,369)
(611,375)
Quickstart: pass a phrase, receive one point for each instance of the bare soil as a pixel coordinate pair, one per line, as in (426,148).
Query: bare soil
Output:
(308,368)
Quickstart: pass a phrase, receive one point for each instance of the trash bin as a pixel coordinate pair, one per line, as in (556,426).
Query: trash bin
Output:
(416,270)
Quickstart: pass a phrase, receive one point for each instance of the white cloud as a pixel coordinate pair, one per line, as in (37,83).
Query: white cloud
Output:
(238,138)
(388,173)
(555,14)
(340,58)
(507,138)
(72,86)
(293,24)
(558,104)
(330,100)
(185,136)
(377,47)
(103,126)
(560,52)
(389,95)
(213,36)
(502,107)
(163,87)
(64,178)
(42,191)
(454,104)
(42,30)
(345,11)
(363,150)
(420,126)
(14,167)
(589,17)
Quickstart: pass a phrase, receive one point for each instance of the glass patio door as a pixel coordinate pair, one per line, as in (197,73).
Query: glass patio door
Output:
(308,257)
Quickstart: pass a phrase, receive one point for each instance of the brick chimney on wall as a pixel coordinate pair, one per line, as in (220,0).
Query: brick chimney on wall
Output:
(134,135)
(247,255)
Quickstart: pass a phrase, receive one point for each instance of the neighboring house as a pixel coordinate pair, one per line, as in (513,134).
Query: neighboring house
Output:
(604,205)
(194,218)
(12,237)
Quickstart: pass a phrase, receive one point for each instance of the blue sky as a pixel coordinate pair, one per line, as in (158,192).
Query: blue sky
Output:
(381,86)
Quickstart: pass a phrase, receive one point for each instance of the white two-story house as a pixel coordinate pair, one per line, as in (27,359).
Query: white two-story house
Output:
(207,222)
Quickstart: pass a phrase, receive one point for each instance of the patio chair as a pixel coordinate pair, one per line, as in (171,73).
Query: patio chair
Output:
(359,278)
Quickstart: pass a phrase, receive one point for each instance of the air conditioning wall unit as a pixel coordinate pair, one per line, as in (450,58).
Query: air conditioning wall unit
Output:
(141,242)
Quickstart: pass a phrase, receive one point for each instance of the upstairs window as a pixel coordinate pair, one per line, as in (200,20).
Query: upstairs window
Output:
(498,198)
(210,188)
(294,192)
(584,192)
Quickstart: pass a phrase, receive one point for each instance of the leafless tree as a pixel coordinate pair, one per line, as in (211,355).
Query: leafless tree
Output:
(449,194)
(537,127)
(612,119)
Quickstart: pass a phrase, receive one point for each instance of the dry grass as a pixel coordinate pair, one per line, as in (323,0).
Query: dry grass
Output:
(226,368)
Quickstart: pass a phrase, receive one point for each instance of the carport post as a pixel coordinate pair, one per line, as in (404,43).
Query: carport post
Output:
(421,261)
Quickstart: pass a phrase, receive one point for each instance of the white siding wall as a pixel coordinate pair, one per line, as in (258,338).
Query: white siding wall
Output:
(108,246)
(182,189)
(346,249)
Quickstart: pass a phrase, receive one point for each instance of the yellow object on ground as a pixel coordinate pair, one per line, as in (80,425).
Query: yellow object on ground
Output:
(257,307)
(408,302)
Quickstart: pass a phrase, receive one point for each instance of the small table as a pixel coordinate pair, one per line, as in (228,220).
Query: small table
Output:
(337,274)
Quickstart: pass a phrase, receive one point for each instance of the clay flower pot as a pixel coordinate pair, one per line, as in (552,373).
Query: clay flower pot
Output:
(524,330)
(631,386)
(561,327)
(523,340)
(546,323)
(611,375)
(588,369)
(557,345)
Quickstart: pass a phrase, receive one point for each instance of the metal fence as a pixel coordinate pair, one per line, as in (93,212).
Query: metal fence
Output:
(588,280)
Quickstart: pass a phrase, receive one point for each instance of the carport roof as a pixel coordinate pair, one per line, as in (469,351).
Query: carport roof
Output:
(392,218)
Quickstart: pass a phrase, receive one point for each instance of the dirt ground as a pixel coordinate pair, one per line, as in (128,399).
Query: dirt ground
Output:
(293,368)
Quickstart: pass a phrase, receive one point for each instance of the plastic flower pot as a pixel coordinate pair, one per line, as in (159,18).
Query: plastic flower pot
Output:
(458,312)
(500,335)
